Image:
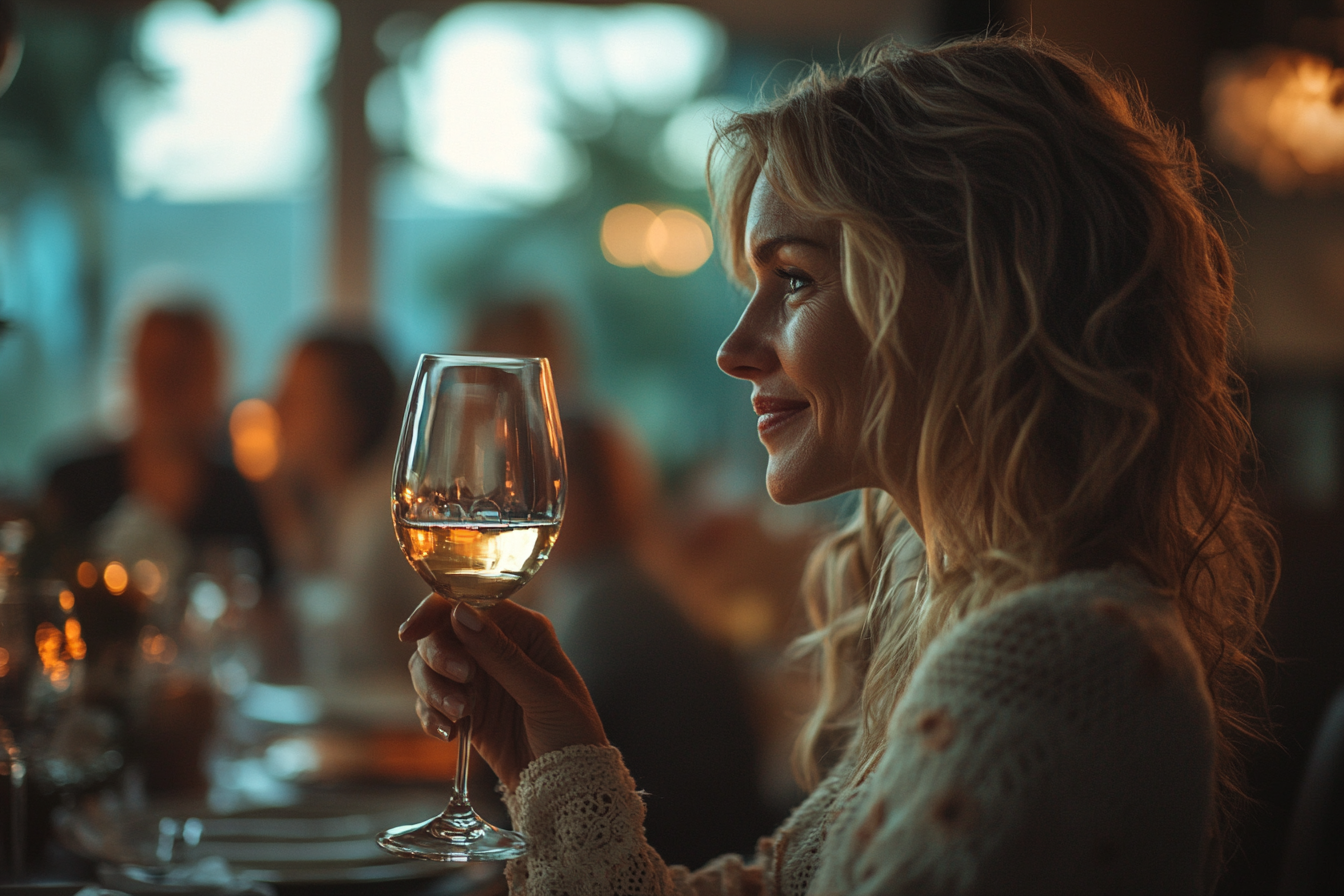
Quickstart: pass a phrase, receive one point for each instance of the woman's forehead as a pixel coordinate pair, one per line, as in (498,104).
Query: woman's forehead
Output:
(773,220)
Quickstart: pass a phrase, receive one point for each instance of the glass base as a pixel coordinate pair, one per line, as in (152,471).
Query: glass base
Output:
(454,837)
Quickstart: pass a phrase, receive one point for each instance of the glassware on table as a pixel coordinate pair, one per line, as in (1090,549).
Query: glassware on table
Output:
(478,492)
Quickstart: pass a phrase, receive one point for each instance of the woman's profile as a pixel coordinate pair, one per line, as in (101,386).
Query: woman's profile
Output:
(986,292)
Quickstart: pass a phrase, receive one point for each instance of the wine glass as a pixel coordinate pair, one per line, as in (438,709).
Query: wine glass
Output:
(478,492)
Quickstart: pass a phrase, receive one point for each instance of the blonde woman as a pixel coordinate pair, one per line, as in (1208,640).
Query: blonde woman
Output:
(984,290)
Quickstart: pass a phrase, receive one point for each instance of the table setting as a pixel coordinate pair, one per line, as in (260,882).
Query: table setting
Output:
(146,743)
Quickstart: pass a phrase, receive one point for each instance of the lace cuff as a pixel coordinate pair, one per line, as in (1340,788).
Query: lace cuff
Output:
(584,821)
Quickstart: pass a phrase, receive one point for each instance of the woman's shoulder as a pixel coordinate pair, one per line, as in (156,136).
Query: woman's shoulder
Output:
(1077,614)
(1059,739)
(1096,594)
(1086,644)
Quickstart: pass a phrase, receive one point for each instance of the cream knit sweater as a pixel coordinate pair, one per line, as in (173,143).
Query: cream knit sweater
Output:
(1060,741)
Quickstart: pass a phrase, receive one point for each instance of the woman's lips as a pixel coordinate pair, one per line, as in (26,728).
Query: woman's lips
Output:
(774,412)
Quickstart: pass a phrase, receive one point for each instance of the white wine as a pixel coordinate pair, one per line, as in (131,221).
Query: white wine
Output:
(480,563)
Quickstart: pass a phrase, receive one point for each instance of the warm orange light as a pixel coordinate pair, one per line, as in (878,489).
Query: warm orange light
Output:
(51,650)
(422,543)
(73,641)
(86,575)
(1279,113)
(254,427)
(49,641)
(115,577)
(624,231)
(4,662)
(671,242)
(679,242)
(156,646)
(67,599)
(147,576)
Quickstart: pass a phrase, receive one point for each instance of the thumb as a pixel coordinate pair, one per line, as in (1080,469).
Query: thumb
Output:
(503,660)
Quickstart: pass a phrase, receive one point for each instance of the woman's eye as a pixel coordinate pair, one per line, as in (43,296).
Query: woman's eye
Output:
(795,282)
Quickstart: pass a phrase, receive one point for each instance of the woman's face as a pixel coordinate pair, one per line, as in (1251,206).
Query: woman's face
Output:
(801,347)
(313,420)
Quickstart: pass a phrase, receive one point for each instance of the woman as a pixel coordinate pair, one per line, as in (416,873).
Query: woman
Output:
(327,506)
(985,292)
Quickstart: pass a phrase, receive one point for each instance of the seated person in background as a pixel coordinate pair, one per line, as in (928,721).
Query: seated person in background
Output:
(327,504)
(531,325)
(164,489)
(673,700)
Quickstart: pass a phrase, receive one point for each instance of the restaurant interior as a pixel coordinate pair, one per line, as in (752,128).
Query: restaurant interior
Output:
(238,224)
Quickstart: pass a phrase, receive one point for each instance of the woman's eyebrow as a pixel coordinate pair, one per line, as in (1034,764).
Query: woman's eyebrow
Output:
(763,251)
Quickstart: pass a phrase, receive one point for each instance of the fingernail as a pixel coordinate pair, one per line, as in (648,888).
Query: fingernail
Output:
(454,708)
(458,671)
(401,629)
(443,732)
(469,617)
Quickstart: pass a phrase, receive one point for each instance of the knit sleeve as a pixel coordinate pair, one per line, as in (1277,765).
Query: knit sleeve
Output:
(584,821)
(1058,742)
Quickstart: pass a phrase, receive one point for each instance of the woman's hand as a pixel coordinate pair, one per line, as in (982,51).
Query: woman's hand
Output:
(505,669)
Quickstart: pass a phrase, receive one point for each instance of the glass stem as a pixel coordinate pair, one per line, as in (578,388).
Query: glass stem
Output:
(459,803)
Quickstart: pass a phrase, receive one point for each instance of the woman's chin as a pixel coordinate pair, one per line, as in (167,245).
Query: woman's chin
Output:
(787,484)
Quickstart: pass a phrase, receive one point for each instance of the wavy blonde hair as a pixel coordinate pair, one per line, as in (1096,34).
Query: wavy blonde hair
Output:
(1080,408)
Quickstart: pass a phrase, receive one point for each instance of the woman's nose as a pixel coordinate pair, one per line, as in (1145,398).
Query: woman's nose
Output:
(745,354)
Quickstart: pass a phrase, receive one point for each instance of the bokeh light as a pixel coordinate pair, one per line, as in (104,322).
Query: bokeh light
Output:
(254,428)
(231,108)
(115,577)
(73,639)
(498,97)
(86,575)
(671,242)
(683,146)
(679,242)
(54,655)
(625,231)
(156,647)
(1280,115)
(147,577)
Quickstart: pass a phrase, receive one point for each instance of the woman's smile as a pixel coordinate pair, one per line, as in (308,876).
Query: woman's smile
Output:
(771,413)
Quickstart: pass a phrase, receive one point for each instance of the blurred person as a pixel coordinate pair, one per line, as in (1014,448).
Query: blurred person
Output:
(648,668)
(327,503)
(672,700)
(166,488)
(166,494)
(986,292)
(531,325)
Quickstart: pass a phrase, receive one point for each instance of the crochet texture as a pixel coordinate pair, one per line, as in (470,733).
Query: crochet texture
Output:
(1060,741)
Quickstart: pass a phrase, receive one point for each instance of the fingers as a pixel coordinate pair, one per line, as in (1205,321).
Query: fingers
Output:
(435,723)
(443,653)
(502,659)
(433,613)
(532,632)
(448,698)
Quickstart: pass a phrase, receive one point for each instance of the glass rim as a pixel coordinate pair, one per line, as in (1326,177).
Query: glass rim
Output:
(480,356)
